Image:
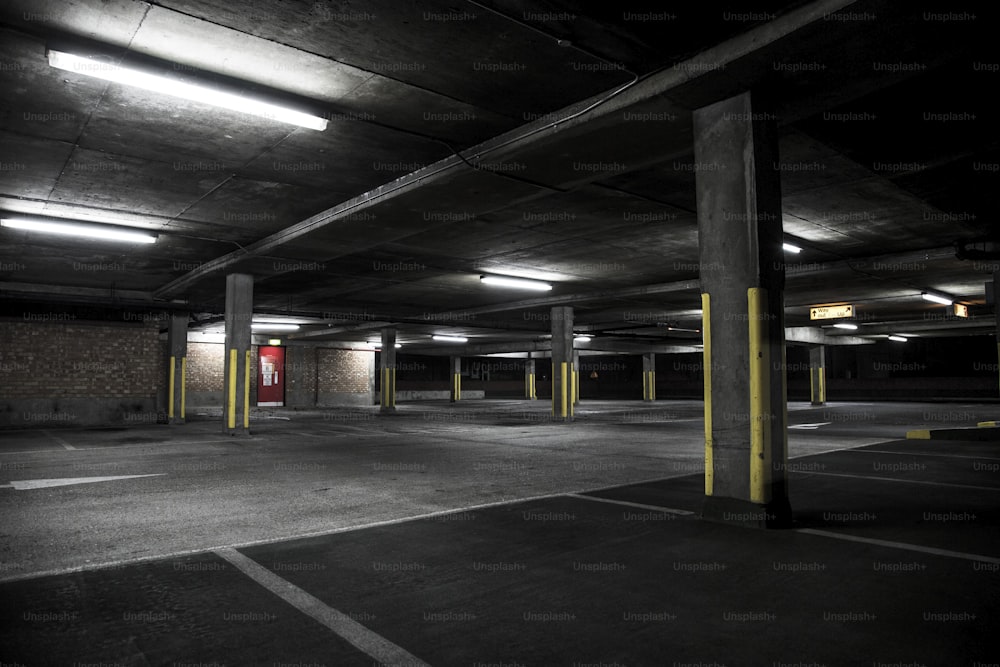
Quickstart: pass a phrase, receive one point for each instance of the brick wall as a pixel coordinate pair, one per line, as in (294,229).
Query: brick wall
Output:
(80,373)
(205,366)
(206,370)
(79,360)
(343,371)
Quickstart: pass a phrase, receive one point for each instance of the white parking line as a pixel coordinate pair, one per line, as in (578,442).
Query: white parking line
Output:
(904,481)
(626,503)
(62,442)
(946,456)
(899,545)
(373,644)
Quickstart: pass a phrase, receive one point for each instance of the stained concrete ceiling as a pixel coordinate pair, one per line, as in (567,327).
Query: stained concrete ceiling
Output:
(547,140)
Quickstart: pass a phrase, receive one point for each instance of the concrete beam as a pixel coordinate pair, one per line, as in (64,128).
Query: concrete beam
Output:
(577,119)
(817,336)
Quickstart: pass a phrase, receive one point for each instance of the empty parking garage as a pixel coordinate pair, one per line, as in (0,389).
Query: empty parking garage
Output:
(498,334)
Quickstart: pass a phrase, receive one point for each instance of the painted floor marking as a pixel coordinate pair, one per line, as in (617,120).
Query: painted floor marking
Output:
(946,456)
(807,427)
(373,644)
(904,481)
(26,484)
(900,545)
(626,503)
(58,439)
(120,562)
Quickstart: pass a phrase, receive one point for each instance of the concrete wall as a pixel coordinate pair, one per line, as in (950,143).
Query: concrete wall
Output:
(80,373)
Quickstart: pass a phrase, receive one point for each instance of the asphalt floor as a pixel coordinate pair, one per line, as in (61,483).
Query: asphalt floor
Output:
(482,535)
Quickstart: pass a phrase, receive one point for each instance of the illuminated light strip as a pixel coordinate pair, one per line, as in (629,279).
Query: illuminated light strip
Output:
(195,93)
(82,230)
(760,399)
(518,283)
(706,362)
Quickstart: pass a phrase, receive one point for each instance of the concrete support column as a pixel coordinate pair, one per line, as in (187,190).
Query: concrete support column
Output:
(455,366)
(562,362)
(387,370)
(649,376)
(177,367)
(742,276)
(239,315)
(817,374)
(529,379)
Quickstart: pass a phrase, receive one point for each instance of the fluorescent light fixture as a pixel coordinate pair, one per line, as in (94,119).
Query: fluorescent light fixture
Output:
(268,319)
(582,338)
(898,339)
(945,301)
(845,325)
(450,339)
(398,345)
(519,283)
(161,84)
(106,233)
(273,326)
(794,249)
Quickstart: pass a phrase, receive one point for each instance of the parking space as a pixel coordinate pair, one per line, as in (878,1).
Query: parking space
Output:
(428,541)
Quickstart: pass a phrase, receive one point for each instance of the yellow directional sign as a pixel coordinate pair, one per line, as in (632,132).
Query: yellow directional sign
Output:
(961,310)
(831,312)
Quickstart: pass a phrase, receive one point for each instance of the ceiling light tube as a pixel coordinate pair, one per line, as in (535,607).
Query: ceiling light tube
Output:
(898,339)
(450,339)
(945,301)
(273,326)
(582,338)
(845,325)
(109,71)
(520,283)
(794,249)
(69,228)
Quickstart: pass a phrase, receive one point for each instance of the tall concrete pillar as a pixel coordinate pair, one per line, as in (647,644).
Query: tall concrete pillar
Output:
(529,379)
(817,374)
(649,376)
(742,275)
(387,370)
(239,315)
(455,367)
(562,362)
(177,367)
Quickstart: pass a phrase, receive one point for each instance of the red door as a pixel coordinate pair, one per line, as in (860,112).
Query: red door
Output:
(270,376)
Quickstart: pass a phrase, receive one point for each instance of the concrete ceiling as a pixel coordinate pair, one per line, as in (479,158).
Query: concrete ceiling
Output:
(548,140)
